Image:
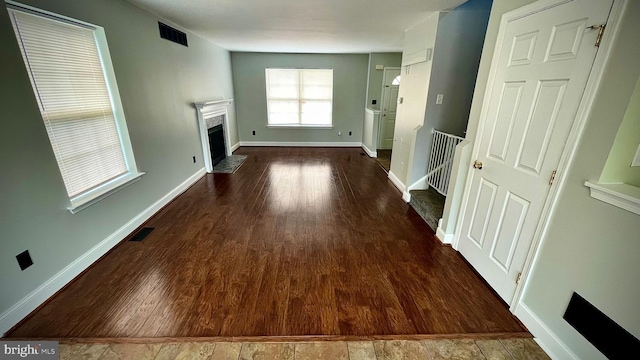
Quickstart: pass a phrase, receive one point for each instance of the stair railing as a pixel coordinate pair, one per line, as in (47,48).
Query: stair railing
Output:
(441,160)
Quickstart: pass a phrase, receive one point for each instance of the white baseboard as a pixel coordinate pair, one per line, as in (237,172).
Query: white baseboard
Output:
(406,196)
(443,237)
(547,339)
(420,184)
(369,152)
(43,292)
(300,144)
(394,179)
(235,147)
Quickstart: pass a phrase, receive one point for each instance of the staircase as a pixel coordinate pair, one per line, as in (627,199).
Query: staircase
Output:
(429,204)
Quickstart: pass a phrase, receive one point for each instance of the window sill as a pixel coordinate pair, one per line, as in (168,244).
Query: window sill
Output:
(624,196)
(306,127)
(91,197)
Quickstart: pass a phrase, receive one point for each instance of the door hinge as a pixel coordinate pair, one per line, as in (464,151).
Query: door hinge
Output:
(600,32)
(518,278)
(553,177)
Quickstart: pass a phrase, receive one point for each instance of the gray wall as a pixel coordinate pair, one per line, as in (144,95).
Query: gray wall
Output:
(592,247)
(158,80)
(349,94)
(374,87)
(456,56)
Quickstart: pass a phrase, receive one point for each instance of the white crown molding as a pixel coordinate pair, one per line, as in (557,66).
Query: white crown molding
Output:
(624,196)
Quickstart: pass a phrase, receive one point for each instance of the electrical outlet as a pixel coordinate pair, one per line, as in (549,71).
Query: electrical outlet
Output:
(349,133)
(194,159)
(439,99)
(339,133)
(374,101)
(24,260)
(254,133)
(636,159)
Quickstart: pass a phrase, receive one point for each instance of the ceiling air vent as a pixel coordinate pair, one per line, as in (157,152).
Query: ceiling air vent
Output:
(171,34)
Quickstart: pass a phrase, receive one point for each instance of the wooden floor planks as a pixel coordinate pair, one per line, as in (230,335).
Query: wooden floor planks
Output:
(299,241)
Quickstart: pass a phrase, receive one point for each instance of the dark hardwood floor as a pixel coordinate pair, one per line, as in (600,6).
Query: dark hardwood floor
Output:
(299,241)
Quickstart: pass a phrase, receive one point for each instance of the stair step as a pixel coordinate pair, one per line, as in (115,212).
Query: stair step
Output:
(429,204)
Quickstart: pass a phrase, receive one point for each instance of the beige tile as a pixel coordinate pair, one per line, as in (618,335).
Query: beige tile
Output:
(336,350)
(226,351)
(493,350)
(400,350)
(267,351)
(187,350)
(454,350)
(524,349)
(168,351)
(131,351)
(81,351)
(361,350)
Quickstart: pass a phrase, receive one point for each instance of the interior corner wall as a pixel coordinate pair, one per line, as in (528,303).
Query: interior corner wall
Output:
(374,88)
(158,81)
(349,95)
(592,247)
(456,55)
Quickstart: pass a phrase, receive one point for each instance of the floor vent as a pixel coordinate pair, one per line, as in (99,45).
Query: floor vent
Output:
(140,235)
(171,34)
(600,330)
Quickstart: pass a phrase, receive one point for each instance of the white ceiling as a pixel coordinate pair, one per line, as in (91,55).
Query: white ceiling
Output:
(303,26)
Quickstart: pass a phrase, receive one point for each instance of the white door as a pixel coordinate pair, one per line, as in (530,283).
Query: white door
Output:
(542,68)
(391,85)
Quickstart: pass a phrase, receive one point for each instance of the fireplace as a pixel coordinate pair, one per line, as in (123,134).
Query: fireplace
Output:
(214,131)
(216,144)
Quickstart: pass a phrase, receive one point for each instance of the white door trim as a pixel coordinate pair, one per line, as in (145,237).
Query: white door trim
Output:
(382,100)
(584,109)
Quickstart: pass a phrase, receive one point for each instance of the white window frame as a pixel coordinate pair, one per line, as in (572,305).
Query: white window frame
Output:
(300,100)
(95,194)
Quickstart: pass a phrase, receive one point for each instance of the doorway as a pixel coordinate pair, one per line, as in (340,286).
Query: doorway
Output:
(543,60)
(388,109)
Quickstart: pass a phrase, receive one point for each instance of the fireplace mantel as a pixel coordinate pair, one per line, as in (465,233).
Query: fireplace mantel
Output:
(207,110)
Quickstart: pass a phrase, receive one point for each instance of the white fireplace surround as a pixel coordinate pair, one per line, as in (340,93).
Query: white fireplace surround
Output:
(206,111)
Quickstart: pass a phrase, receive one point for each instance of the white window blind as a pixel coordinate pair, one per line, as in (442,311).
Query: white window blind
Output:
(301,97)
(66,71)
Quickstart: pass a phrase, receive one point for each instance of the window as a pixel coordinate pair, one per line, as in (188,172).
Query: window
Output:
(299,97)
(70,70)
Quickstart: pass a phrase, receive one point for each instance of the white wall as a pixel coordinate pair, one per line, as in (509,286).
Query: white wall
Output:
(592,247)
(413,89)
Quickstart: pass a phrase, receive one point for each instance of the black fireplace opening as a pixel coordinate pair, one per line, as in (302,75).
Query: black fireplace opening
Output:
(216,144)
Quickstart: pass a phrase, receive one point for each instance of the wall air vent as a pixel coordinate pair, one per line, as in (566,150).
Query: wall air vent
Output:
(171,34)
(600,330)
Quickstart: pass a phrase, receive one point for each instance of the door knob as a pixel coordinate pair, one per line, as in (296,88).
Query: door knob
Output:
(477,165)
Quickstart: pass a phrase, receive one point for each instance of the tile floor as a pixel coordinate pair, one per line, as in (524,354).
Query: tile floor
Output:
(512,349)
